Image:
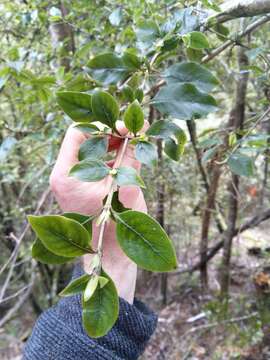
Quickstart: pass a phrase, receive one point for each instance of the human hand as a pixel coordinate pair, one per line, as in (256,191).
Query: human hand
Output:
(73,195)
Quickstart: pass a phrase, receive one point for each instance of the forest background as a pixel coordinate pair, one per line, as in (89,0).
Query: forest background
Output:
(213,199)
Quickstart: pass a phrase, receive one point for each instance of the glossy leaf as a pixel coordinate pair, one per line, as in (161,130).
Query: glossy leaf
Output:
(196,40)
(94,148)
(188,20)
(241,164)
(174,147)
(90,170)
(76,286)
(60,235)
(163,129)
(146,153)
(84,220)
(87,128)
(100,312)
(128,176)
(109,68)
(102,281)
(105,108)
(139,94)
(45,256)
(76,105)
(127,94)
(191,72)
(131,61)
(147,33)
(133,117)
(116,203)
(184,102)
(145,242)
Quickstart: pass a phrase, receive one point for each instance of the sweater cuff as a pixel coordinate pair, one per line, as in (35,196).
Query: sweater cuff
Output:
(59,334)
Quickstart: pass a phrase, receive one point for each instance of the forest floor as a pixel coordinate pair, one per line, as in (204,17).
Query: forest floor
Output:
(192,326)
(196,327)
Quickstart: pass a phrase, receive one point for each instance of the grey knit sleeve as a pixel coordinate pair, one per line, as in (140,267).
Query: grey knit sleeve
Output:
(58,334)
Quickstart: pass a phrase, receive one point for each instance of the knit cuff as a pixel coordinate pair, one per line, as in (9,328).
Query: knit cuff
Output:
(59,334)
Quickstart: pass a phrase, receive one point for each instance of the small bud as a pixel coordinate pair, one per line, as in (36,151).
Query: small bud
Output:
(113,172)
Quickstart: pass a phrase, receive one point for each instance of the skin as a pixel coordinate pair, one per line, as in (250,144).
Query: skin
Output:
(73,195)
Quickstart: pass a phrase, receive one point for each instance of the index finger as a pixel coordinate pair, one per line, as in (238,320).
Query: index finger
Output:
(68,153)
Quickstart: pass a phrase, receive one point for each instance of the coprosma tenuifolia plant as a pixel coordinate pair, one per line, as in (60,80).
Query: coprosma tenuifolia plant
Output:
(123,88)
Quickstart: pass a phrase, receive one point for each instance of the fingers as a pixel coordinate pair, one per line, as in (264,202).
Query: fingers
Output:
(132,197)
(68,154)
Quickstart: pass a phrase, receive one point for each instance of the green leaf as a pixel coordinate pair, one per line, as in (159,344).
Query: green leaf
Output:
(42,254)
(76,105)
(105,108)
(127,94)
(241,164)
(116,203)
(175,138)
(87,128)
(76,286)
(196,40)
(100,312)
(209,154)
(134,117)
(90,287)
(90,170)
(147,33)
(109,68)
(139,95)
(145,242)
(146,153)
(189,21)
(211,5)
(128,176)
(191,72)
(94,148)
(184,102)
(60,235)
(163,129)
(194,55)
(84,220)
(131,61)
(102,281)
(174,147)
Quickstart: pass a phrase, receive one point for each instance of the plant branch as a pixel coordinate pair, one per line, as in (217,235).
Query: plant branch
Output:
(243,33)
(251,223)
(234,9)
(104,216)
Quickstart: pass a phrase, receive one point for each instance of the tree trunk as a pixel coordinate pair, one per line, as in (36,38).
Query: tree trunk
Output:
(266,165)
(232,9)
(210,207)
(62,36)
(237,119)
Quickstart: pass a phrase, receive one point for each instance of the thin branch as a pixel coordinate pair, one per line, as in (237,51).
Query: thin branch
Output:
(251,223)
(234,9)
(243,33)
(225,322)
(13,258)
